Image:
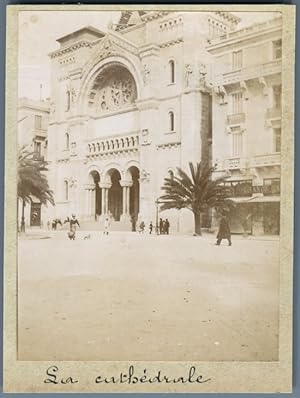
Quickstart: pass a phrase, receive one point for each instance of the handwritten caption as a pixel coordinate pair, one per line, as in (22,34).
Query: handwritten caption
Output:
(55,376)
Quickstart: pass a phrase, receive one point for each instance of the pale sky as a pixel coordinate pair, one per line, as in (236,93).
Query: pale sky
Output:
(38,31)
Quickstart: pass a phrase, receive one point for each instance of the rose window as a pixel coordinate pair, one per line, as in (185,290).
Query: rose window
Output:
(112,90)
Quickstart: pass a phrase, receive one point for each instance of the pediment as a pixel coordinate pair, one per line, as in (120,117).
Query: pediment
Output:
(114,43)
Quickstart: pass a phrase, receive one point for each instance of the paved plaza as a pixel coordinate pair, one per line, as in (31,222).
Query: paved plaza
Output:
(128,296)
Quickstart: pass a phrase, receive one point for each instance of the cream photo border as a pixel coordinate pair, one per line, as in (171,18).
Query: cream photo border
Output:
(28,376)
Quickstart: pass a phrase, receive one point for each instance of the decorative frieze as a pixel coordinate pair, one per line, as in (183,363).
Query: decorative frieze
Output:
(171,42)
(70,49)
(169,145)
(171,23)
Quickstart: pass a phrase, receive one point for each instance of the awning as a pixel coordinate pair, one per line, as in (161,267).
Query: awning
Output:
(257,199)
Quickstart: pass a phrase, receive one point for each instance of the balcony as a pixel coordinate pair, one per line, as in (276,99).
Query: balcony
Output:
(250,72)
(40,132)
(273,113)
(272,159)
(113,145)
(237,118)
(235,163)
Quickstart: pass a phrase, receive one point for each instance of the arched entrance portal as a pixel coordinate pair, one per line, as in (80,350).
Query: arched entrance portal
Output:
(115,202)
(94,195)
(134,196)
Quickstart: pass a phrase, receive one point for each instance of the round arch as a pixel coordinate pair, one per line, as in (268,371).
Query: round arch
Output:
(91,170)
(109,169)
(129,165)
(97,65)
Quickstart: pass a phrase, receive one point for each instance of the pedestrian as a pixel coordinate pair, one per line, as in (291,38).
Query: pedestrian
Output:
(48,224)
(224,230)
(167,226)
(150,228)
(72,222)
(142,227)
(106,226)
(164,227)
(161,226)
(133,223)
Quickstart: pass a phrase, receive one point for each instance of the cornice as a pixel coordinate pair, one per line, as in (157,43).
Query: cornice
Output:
(169,145)
(171,42)
(154,15)
(73,47)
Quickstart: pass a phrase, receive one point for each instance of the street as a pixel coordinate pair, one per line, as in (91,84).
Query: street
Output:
(129,296)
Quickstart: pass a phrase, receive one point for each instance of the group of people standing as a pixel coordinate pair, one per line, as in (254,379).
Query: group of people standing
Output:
(163,227)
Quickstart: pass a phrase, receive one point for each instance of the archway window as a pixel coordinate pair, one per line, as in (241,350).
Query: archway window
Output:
(172,71)
(171,121)
(66,190)
(68,100)
(67,141)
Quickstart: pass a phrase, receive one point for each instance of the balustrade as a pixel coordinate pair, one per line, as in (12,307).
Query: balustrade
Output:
(117,144)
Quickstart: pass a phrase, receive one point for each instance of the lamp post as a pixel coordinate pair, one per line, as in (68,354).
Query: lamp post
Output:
(156,220)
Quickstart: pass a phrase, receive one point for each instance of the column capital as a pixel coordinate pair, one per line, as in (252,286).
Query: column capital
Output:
(106,185)
(89,186)
(126,183)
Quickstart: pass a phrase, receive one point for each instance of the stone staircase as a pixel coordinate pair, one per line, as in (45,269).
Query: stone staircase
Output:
(99,226)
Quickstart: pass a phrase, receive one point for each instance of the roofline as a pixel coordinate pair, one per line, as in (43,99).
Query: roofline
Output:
(87,28)
(244,33)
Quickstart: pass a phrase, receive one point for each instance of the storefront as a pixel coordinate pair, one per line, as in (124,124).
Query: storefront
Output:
(255,215)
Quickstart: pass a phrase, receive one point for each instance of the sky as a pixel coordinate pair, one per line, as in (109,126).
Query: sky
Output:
(38,31)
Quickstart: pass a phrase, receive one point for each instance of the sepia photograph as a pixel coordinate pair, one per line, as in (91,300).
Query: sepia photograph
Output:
(149,185)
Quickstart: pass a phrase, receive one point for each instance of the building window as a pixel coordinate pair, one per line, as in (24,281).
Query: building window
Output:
(67,142)
(38,121)
(237,102)
(237,142)
(277,139)
(277,97)
(68,101)
(277,49)
(66,190)
(37,148)
(171,121)
(271,186)
(171,71)
(237,59)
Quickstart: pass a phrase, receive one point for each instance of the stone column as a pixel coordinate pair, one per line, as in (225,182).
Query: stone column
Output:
(93,203)
(126,190)
(128,200)
(104,203)
(88,200)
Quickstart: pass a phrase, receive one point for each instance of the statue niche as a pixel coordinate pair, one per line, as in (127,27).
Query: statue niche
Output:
(113,89)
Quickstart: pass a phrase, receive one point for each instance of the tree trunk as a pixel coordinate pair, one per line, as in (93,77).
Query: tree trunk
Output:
(197,220)
(23,218)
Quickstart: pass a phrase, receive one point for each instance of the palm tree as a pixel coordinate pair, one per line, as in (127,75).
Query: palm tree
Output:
(196,193)
(32,181)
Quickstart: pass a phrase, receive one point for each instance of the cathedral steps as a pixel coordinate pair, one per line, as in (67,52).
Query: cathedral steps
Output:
(99,226)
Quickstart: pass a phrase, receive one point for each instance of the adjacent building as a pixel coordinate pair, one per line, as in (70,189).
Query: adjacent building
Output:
(33,118)
(246,140)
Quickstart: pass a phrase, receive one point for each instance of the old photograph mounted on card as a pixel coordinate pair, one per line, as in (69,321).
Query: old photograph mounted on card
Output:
(148,240)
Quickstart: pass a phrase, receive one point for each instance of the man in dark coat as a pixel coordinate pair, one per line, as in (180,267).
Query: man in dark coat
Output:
(224,231)
(167,226)
(161,226)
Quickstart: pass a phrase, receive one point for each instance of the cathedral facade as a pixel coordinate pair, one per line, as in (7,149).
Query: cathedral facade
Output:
(156,91)
(128,107)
